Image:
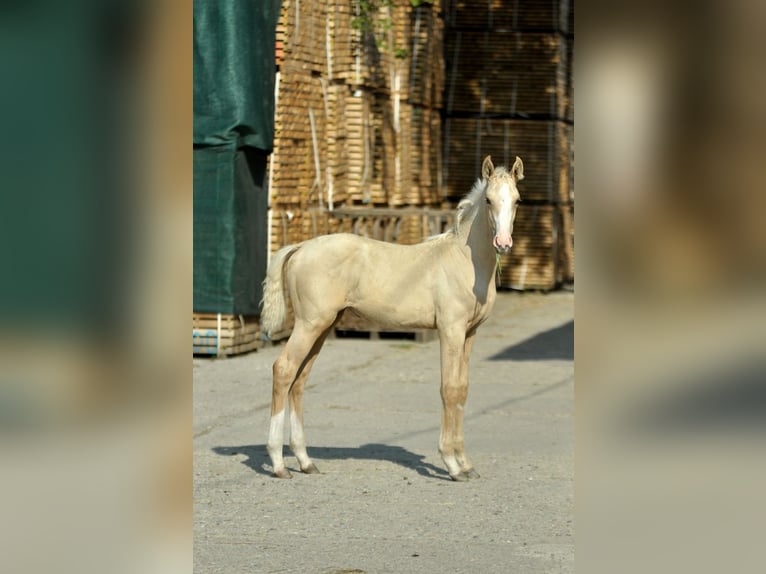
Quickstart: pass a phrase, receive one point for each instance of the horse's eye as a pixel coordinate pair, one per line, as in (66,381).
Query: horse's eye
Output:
(488,201)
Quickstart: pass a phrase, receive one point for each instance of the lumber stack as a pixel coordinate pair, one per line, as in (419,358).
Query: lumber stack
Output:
(543,248)
(509,92)
(543,145)
(507,73)
(358,118)
(404,226)
(499,15)
(222,335)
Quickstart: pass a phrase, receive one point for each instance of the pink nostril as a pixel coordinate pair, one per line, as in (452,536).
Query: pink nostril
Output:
(502,241)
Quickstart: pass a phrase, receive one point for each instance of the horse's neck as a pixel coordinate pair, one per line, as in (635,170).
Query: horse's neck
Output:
(478,238)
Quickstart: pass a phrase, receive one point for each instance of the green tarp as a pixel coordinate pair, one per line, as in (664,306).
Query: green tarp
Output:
(230,232)
(234,75)
(68,204)
(234,72)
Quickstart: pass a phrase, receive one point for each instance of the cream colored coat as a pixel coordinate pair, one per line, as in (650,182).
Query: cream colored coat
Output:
(445,283)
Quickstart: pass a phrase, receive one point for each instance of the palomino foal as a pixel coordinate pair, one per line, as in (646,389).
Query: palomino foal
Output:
(446,282)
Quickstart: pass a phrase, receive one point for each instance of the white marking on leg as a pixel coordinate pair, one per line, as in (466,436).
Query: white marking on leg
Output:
(451,463)
(276,440)
(298,440)
(449,459)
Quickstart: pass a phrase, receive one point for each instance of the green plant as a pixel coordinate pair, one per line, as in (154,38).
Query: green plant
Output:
(366,22)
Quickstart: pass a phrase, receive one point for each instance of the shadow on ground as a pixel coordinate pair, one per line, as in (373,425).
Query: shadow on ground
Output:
(556,343)
(258,458)
(723,399)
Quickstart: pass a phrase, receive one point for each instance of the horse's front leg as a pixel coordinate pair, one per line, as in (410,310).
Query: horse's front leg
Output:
(465,466)
(454,391)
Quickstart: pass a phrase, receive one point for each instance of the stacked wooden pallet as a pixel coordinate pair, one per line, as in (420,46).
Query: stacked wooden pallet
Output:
(358,119)
(405,226)
(337,141)
(510,93)
(223,335)
(301,34)
(543,248)
(299,124)
(544,146)
(499,15)
(566,241)
(394,155)
(507,73)
(569,116)
(393,49)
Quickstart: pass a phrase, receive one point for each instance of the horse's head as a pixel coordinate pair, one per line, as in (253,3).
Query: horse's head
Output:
(502,198)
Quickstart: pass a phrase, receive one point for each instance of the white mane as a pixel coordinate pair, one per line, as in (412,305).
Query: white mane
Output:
(466,210)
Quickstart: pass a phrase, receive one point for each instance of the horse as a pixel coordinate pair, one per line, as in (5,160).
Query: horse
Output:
(446,282)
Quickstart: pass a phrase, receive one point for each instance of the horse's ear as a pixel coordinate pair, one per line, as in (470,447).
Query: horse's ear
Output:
(487,167)
(517,171)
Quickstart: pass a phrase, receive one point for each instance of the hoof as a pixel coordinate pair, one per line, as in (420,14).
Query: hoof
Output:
(471,473)
(282,473)
(310,469)
(460,477)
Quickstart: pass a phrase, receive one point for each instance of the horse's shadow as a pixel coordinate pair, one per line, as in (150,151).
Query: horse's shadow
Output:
(258,458)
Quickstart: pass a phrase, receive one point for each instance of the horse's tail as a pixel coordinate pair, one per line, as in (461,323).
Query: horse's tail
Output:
(274,302)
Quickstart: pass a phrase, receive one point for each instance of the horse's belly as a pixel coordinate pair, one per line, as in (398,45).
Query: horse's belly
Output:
(396,313)
(388,321)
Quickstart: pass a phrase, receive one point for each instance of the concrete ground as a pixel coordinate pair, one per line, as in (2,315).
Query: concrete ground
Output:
(384,503)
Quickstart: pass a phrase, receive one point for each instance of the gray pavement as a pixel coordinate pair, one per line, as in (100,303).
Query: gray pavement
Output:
(384,503)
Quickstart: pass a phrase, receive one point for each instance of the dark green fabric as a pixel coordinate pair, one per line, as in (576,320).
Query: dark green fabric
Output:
(67,166)
(234,72)
(230,231)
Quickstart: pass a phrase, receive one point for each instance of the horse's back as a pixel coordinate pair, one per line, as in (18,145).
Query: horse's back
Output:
(387,283)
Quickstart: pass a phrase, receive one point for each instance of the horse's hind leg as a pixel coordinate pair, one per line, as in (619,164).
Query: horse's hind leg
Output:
(287,369)
(297,436)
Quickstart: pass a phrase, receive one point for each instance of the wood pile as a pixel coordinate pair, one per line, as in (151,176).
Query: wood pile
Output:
(543,145)
(509,92)
(513,74)
(506,15)
(223,335)
(358,119)
(405,226)
(543,248)
(566,240)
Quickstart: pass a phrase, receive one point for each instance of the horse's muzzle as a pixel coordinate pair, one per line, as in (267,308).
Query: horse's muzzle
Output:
(502,243)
